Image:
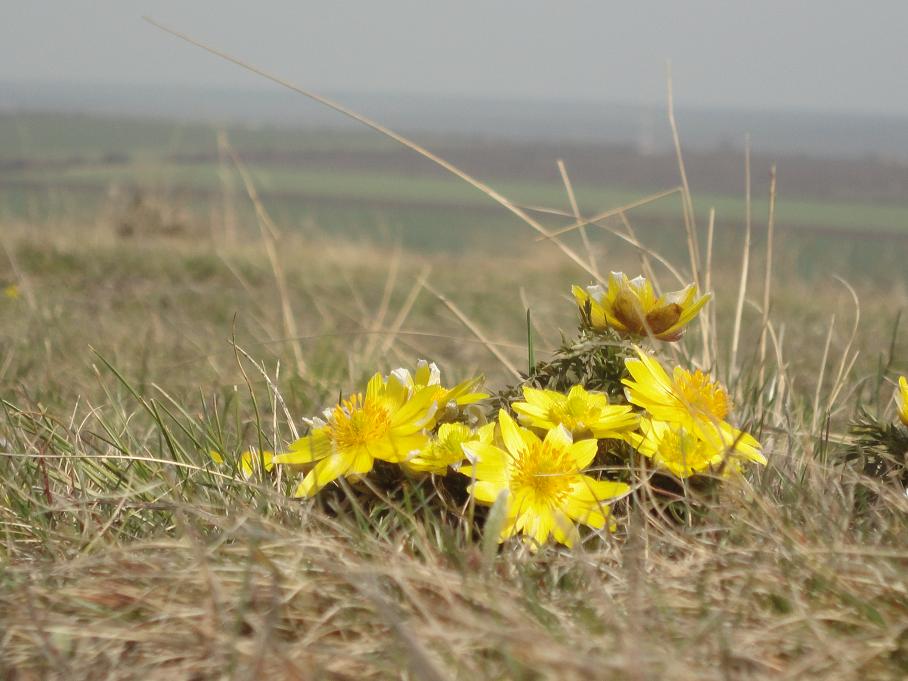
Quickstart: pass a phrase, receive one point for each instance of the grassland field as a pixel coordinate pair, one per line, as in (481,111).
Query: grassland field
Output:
(127,553)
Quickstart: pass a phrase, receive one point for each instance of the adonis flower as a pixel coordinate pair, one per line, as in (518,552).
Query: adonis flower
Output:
(428,375)
(546,489)
(446,448)
(901,399)
(582,413)
(386,423)
(686,397)
(683,452)
(631,306)
(691,400)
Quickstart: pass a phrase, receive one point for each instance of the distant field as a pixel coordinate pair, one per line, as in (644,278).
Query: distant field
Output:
(839,216)
(429,190)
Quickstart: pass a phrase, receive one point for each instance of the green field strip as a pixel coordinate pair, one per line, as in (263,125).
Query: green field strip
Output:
(429,190)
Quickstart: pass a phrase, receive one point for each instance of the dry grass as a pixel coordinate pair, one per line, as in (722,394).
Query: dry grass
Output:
(115,567)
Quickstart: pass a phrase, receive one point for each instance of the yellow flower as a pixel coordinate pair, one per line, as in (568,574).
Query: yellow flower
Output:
(683,452)
(12,291)
(428,375)
(631,306)
(582,413)
(249,461)
(901,399)
(388,423)
(446,448)
(543,480)
(688,398)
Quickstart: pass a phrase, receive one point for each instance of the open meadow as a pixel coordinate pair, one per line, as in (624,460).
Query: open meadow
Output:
(177,295)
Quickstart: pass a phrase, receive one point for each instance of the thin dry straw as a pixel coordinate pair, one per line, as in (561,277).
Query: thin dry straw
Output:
(745,263)
(228,209)
(277,393)
(845,365)
(644,251)
(584,237)
(475,331)
(767,281)
(611,212)
(644,255)
(707,286)
(397,137)
(690,224)
(822,372)
(385,302)
(270,234)
(405,309)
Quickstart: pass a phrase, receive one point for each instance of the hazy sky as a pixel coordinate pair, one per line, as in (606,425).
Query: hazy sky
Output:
(772,54)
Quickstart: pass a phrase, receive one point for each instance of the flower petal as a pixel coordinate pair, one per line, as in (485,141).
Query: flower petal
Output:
(486,491)
(558,438)
(583,452)
(309,448)
(330,469)
(489,463)
(510,434)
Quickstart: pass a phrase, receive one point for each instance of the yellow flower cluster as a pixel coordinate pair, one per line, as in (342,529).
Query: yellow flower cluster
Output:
(392,421)
(539,468)
(535,460)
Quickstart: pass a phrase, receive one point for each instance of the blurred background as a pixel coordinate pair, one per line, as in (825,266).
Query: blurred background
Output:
(95,104)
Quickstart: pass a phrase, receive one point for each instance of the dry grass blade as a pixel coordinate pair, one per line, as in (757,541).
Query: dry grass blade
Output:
(690,224)
(767,279)
(846,363)
(420,661)
(480,336)
(575,209)
(610,213)
(821,373)
(405,309)
(706,316)
(270,234)
(379,319)
(644,251)
(274,390)
(745,265)
(228,218)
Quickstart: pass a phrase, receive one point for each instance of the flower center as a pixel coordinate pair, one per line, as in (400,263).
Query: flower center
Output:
(702,394)
(545,471)
(450,446)
(629,310)
(356,422)
(573,412)
(562,415)
(681,447)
